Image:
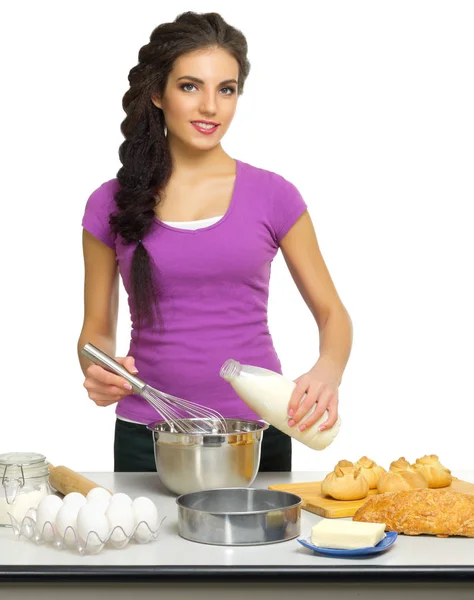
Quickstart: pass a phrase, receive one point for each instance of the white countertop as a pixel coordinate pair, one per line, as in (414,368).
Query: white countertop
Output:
(170,550)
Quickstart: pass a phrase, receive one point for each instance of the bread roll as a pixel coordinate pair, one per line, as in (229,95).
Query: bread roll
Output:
(370,470)
(342,485)
(400,465)
(346,466)
(401,480)
(435,473)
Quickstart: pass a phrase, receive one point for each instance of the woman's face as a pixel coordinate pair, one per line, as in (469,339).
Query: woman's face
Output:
(200,98)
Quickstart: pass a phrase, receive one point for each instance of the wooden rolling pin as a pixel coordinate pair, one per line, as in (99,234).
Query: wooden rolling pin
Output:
(66,480)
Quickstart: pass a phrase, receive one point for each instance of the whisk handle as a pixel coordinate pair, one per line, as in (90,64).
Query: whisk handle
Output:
(104,360)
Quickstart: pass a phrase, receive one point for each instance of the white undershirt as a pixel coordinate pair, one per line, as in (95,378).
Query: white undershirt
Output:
(183,225)
(193,224)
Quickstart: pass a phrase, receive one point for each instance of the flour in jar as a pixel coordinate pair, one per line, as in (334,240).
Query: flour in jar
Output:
(268,393)
(20,506)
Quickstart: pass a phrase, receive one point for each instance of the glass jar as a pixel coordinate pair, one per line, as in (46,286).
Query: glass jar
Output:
(25,482)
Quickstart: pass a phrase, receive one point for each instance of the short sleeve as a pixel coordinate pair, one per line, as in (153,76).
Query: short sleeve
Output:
(99,206)
(287,207)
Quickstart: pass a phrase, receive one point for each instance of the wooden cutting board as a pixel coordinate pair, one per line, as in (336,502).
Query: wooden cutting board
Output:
(314,501)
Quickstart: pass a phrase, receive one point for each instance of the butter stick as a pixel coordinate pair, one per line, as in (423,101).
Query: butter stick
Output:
(346,535)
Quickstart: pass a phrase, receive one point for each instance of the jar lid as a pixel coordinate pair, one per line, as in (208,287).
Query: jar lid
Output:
(22,464)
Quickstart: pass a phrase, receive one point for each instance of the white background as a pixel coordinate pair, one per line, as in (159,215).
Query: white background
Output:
(366,106)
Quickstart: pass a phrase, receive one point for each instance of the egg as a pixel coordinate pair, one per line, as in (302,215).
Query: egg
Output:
(101,504)
(144,509)
(91,519)
(46,515)
(100,496)
(74,499)
(65,519)
(98,493)
(120,497)
(120,515)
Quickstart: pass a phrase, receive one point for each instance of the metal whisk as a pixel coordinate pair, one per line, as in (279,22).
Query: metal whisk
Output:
(182,416)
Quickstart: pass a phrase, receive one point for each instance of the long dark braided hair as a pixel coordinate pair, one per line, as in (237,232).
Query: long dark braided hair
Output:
(145,155)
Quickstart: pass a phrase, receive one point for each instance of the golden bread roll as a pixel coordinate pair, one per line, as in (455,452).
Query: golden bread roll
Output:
(400,465)
(342,485)
(401,480)
(345,465)
(432,460)
(425,511)
(435,473)
(370,470)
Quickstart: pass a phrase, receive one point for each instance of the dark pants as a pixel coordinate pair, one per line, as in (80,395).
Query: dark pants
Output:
(133,449)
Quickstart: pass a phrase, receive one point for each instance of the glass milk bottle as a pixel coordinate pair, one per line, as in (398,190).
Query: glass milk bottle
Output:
(268,393)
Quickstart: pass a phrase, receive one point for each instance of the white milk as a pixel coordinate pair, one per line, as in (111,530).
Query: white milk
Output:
(268,393)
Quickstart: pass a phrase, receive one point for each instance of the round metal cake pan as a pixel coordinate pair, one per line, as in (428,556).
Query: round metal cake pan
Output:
(239,516)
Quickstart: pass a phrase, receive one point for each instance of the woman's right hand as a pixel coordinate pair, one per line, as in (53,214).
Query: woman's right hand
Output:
(105,388)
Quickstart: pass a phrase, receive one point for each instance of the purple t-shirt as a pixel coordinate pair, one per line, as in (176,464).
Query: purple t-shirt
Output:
(214,286)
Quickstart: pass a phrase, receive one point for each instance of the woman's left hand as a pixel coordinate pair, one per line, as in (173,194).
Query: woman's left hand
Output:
(322,388)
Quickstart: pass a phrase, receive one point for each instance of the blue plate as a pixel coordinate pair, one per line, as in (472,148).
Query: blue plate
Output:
(387,541)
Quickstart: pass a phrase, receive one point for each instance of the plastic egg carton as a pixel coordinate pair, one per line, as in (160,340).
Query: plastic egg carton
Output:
(93,544)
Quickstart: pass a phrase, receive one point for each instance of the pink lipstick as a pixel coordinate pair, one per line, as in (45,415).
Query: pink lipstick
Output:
(205,127)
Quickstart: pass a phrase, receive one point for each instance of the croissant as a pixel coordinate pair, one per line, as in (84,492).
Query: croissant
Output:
(342,485)
(370,470)
(434,472)
(435,512)
(401,480)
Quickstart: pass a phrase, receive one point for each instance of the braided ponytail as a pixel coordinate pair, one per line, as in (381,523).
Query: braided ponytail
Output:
(144,154)
(146,169)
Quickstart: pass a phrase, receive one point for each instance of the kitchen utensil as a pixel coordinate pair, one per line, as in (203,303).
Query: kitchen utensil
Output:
(65,481)
(388,540)
(316,502)
(192,462)
(178,413)
(239,516)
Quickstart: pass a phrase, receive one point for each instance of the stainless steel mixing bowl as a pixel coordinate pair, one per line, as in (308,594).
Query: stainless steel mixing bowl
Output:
(189,463)
(239,517)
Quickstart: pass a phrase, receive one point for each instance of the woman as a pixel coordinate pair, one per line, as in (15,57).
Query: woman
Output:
(192,233)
